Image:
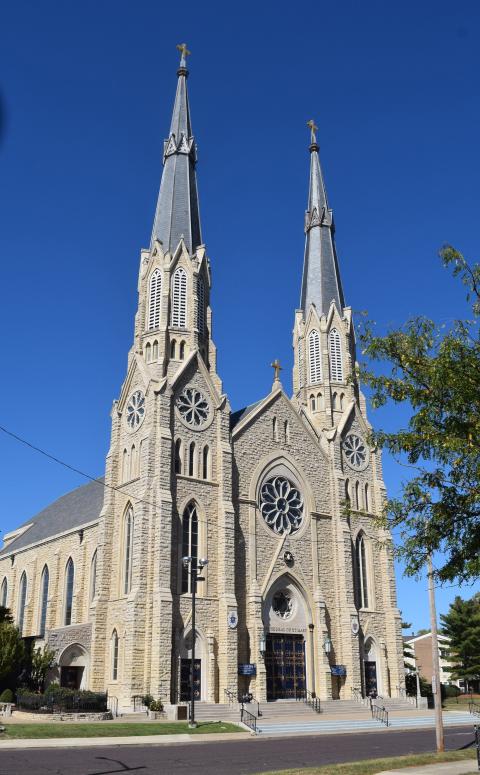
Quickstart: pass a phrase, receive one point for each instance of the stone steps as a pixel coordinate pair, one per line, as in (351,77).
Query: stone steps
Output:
(342,726)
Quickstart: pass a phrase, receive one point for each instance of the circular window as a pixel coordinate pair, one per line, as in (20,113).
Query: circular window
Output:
(281,504)
(193,407)
(135,410)
(356,451)
(282,604)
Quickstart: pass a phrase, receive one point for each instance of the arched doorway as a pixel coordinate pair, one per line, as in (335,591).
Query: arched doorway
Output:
(74,663)
(286,619)
(200,675)
(371,668)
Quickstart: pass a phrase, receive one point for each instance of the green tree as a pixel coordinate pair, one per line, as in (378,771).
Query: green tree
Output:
(462,625)
(42,661)
(435,371)
(12,655)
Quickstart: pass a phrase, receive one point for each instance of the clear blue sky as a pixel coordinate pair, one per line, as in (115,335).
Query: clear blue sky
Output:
(87,94)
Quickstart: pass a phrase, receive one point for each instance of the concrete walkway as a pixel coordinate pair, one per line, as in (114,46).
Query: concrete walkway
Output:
(449,768)
(101,742)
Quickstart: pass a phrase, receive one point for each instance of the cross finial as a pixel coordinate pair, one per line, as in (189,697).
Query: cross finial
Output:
(277,369)
(313,129)
(184,52)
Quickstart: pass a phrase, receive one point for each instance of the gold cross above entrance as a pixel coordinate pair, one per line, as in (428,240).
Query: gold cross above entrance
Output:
(182,47)
(277,369)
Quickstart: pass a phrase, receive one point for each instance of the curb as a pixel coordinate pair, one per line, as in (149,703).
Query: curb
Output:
(102,742)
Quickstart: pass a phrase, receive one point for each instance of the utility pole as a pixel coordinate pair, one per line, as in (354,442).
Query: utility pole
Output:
(436,686)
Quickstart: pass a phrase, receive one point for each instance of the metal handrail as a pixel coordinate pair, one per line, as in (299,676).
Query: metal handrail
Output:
(309,698)
(248,719)
(380,714)
(230,696)
(251,701)
(474,708)
(357,694)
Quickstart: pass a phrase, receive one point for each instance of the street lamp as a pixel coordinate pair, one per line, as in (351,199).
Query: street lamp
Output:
(327,645)
(262,645)
(196,567)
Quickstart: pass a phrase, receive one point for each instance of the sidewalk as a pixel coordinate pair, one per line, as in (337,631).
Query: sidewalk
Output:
(449,768)
(102,742)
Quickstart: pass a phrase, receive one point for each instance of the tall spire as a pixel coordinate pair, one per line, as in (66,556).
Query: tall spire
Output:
(321,277)
(177,214)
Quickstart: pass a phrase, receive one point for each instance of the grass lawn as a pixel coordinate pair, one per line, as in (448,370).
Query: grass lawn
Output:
(461,702)
(104,729)
(371,766)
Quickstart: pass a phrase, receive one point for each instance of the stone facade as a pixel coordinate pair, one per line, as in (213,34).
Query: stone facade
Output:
(186,477)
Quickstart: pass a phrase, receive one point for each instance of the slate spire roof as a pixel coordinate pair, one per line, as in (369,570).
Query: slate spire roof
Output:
(321,282)
(177,214)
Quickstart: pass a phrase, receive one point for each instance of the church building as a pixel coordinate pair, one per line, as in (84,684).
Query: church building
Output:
(279,497)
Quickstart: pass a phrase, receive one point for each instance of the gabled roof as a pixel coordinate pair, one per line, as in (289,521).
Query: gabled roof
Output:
(241,413)
(71,511)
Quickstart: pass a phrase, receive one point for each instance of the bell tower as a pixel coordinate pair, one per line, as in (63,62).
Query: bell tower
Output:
(323,336)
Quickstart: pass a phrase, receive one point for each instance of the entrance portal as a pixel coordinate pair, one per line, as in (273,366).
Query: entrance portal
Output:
(371,686)
(285,664)
(185,679)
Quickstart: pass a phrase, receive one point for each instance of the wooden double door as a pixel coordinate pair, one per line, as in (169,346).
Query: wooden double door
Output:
(285,663)
(186,677)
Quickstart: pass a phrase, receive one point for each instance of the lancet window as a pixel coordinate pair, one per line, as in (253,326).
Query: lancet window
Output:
(179,299)
(189,543)
(128,550)
(22,599)
(315,373)
(201,305)
(114,655)
(361,571)
(335,351)
(93,576)
(69,577)
(154,300)
(4,593)
(44,582)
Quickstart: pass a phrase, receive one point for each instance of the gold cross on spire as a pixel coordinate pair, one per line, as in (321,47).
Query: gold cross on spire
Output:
(313,129)
(182,47)
(277,369)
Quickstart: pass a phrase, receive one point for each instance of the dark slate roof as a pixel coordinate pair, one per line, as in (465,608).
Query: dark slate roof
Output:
(72,510)
(235,417)
(177,214)
(321,282)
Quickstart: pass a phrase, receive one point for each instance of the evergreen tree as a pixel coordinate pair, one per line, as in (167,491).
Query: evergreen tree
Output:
(462,625)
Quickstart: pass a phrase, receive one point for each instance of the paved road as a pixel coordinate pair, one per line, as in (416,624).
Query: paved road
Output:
(226,758)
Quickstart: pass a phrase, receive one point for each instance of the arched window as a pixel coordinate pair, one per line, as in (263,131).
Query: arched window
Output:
(181,351)
(201,305)
(114,655)
(128,550)
(43,600)
(334,401)
(189,543)
(178,456)
(69,576)
(155,351)
(366,500)
(4,593)
(335,350)
(319,401)
(275,429)
(173,349)
(313,403)
(205,462)
(155,297)
(361,572)
(22,599)
(341,401)
(358,503)
(93,576)
(124,466)
(133,462)
(286,428)
(348,499)
(314,357)
(148,352)
(191,459)
(179,299)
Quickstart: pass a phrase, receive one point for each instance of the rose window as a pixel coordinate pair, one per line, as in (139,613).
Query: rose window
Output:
(282,605)
(281,504)
(135,410)
(356,451)
(193,407)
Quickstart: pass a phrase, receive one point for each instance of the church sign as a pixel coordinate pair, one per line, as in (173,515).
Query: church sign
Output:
(247,669)
(340,670)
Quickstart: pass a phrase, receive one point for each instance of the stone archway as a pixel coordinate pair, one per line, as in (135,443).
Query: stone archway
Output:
(73,664)
(201,673)
(372,670)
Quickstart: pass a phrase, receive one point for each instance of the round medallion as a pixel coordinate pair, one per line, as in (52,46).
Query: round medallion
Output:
(282,604)
(193,407)
(355,626)
(135,410)
(356,451)
(232,619)
(281,504)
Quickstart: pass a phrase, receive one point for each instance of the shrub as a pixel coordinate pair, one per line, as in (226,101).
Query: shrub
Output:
(156,706)
(6,696)
(147,700)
